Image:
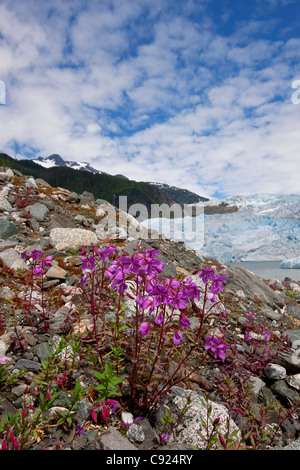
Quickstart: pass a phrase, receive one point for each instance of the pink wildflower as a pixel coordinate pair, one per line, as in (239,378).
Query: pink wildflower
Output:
(145,328)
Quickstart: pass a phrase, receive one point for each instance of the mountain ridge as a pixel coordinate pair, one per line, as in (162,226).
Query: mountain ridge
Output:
(102,185)
(183,196)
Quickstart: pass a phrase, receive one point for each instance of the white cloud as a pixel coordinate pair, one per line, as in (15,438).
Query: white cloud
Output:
(149,92)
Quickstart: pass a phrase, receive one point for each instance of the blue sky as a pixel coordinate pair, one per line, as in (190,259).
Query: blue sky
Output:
(194,93)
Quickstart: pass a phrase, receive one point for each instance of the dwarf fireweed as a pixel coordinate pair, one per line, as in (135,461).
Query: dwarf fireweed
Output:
(159,346)
(38,263)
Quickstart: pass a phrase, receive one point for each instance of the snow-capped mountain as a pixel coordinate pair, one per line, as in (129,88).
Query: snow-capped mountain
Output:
(183,195)
(57,160)
(265,227)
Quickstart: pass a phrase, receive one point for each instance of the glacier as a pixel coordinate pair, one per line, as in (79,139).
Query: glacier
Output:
(293,263)
(266,227)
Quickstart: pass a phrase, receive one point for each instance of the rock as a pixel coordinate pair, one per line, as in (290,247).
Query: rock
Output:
(293,336)
(135,433)
(112,439)
(56,411)
(51,283)
(28,365)
(7,229)
(293,309)
(48,203)
(60,221)
(72,237)
(119,233)
(43,351)
(257,385)
(19,390)
(150,437)
(293,446)
(117,218)
(290,359)
(275,371)
(84,410)
(6,175)
(101,201)
(38,211)
(4,205)
(6,407)
(100,212)
(285,394)
(6,293)
(86,197)
(55,272)
(12,259)
(271,314)
(189,428)
(127,418)
(43,183)
(5,244)
(294,381)
(9,173)
(73,197)
(3,348)
(34,224)
(31,183)
(60,321)
(253,287)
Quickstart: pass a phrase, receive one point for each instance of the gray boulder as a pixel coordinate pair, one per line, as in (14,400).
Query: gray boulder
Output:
(275,371)
(12,259)
(60,221)
(190,428)
(4,205)
(112,439)
(7,229)
(253,287)
(64,238)
(38,211)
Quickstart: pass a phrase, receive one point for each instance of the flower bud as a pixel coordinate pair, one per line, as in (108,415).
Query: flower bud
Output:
(222,441)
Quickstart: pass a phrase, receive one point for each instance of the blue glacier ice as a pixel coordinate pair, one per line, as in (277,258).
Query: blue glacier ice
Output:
(265,227)
(293,263)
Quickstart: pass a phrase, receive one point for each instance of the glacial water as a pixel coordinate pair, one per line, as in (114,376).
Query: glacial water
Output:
(268,269)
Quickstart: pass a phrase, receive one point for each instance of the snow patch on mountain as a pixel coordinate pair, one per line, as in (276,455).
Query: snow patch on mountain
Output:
(57,160)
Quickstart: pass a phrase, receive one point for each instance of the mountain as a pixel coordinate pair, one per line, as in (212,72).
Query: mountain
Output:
(263,227)
(100,184)
(57,160)
(183,196)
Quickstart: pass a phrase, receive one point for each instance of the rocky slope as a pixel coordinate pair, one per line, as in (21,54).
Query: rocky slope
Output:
(35,215)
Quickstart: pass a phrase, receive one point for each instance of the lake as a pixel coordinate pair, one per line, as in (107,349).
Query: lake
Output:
(268,269)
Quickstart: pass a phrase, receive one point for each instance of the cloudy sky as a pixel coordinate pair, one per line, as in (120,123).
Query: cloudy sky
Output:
(194,93)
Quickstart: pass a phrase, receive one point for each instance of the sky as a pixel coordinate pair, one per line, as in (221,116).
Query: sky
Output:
(199,94)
